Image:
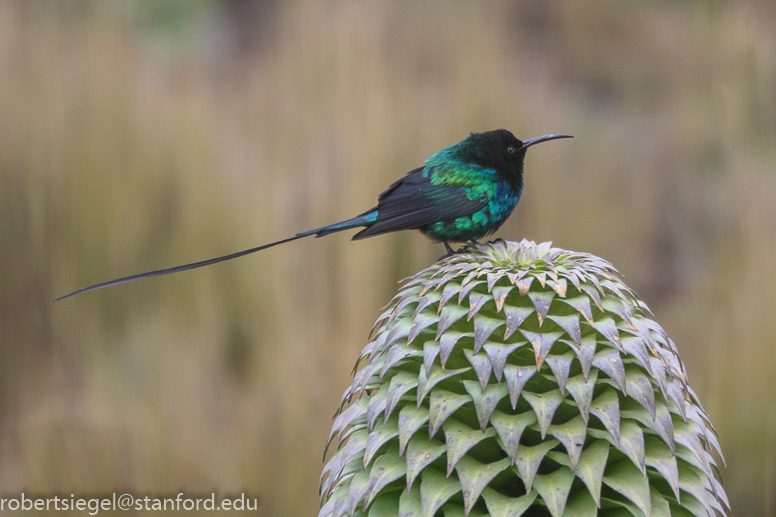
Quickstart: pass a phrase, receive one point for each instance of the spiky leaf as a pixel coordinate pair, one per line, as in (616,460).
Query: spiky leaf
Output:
(580,404)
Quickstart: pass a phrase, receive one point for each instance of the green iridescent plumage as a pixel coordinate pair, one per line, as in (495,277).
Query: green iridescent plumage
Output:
(463,193)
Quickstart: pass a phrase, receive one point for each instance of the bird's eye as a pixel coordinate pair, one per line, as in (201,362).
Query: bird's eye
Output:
(510,149)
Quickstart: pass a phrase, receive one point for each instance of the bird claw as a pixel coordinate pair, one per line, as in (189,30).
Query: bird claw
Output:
(466,248)
(469,246)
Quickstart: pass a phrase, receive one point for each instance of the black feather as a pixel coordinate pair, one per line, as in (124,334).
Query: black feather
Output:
(414,202)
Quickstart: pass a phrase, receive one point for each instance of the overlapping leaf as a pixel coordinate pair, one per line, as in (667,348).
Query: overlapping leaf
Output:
(519,375)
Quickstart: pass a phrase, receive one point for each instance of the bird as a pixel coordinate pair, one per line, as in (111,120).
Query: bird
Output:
(462,193)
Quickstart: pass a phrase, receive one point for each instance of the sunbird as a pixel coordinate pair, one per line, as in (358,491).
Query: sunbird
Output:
(463,193)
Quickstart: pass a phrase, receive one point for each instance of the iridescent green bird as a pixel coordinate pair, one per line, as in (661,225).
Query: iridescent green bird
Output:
(462,193)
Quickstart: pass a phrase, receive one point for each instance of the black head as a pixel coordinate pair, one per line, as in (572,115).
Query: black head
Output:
(500,150)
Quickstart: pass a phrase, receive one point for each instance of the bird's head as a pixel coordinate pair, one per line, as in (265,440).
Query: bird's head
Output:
(499,150)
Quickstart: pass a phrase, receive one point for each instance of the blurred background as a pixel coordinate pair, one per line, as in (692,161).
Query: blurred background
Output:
(143,134)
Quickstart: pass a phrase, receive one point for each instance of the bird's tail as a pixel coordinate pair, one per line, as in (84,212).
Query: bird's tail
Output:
(363,220)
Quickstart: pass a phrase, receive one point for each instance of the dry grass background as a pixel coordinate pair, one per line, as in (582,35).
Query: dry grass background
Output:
(143,134)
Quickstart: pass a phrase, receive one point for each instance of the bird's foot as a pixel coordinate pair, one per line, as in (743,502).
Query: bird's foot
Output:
(469,246)
(450,251)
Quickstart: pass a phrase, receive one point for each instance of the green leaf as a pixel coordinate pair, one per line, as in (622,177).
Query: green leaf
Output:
(560,366)
(481,364)
(359,484)
(608,329)
(554,489)
(460,438)
(442,404)
(607,408)
(420,454)
(500,505)
(379,436)
(582,392)
(572,435)
(401,383)
(385,506)
(516,377)
(542,343)
(409,504)
(570,324)
(659,373)
(541,276)
(387,468)
(475,476)
(450,290)
(640,389)
(585,353)
(449,315)
(348,417)
(376,405)
(691,483)
(483,328)
(454,509)
(435,490)
(510,428)
(397,355)
(485,402)
(528,460)
(476,301)
(660,458)
(541,301)
(663,425)
(544,405)
(347,453)
(466,288)
(515,316)
(500,295)
(399,329)
(621,507)
(428,299)
(336,505)
(447,343)
(686,435)
(592,293)
(524,285)
(560,286)
(625,478)
(691,505)
(610,362)
(410,420)
(632,443)
(425,384)
(581,304)
(660,506)
(591,467)
(430,353)
(580,504)
(498,354)
(635,346)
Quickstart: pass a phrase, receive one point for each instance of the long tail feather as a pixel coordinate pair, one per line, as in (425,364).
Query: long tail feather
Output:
(362,220)
(178,269)
(365,219)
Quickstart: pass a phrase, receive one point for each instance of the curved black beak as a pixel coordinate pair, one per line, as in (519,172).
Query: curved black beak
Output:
(539,139)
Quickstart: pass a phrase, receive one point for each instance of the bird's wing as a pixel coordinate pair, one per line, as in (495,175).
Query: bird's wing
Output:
(413,202)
